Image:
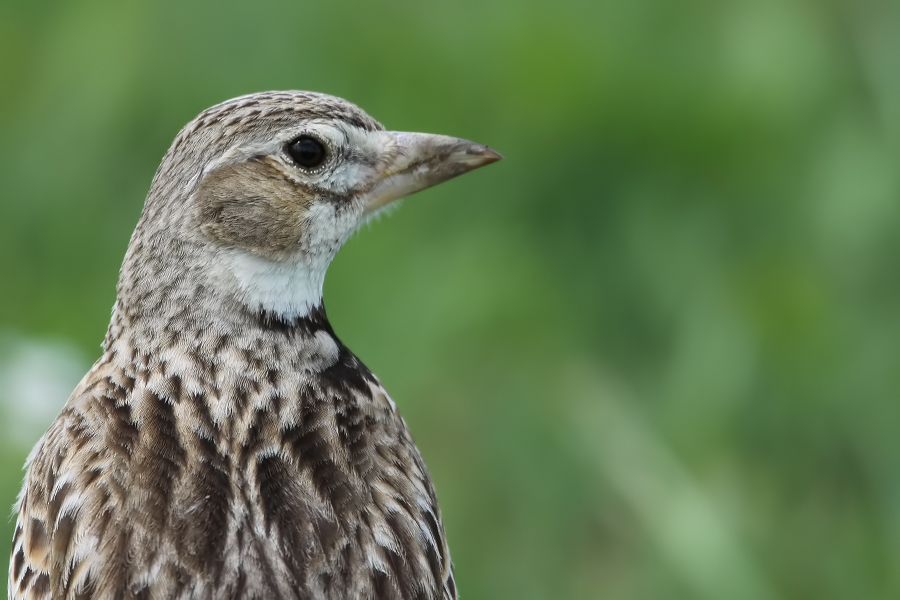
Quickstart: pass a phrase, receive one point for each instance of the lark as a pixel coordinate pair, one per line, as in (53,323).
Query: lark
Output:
(227,444)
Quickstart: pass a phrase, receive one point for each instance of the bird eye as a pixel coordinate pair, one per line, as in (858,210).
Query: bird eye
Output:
(308,152)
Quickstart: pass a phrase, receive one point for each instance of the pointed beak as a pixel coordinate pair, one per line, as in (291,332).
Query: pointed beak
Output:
(420,160)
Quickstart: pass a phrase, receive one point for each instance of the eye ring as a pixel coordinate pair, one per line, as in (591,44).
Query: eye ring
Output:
(307,152)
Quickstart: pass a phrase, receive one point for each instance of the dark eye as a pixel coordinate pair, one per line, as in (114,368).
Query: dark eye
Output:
(308,152)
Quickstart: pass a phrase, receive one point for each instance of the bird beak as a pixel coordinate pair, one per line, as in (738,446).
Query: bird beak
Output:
(421,160)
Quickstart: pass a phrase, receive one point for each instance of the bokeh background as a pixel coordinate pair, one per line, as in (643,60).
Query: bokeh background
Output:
(654,354)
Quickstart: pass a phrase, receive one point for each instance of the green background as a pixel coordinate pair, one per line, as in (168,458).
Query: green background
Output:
(654,354)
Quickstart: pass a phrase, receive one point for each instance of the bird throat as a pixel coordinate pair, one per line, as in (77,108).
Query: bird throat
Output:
(288,290)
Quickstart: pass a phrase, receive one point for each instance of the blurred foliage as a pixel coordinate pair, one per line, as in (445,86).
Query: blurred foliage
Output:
(654,354)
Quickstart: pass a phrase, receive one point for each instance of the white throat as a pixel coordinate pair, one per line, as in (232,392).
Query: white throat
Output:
(287,289)
(291,287)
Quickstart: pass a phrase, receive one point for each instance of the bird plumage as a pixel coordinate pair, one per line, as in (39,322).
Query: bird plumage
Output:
(227,444)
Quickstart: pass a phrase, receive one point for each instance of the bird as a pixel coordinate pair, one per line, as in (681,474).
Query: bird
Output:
(227,444)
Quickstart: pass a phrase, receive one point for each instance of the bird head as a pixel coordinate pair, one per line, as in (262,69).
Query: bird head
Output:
(266,188)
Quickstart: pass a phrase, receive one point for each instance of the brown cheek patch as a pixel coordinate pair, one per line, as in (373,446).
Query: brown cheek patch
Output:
(253,205)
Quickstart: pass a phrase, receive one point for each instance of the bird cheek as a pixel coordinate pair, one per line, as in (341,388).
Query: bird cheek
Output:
(253,206)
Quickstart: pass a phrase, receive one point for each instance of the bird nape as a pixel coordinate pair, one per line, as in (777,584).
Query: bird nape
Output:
(227,444)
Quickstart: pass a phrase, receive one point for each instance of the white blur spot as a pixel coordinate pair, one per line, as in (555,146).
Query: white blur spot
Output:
(36,379)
